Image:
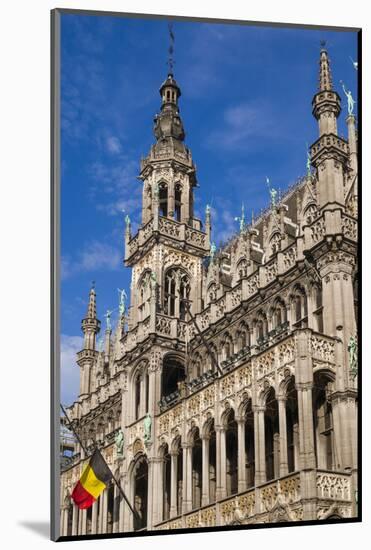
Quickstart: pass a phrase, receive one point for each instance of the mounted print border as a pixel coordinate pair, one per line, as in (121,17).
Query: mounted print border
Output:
(213,381)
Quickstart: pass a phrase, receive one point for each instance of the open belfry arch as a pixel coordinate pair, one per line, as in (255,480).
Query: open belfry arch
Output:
(232,375)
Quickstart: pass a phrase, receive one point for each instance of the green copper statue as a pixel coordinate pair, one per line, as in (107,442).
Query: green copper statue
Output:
(309,169)
(353,356)
(212,251)
(272,192)
(127,221)
(241,219)
(123,298)
(119,442)
(351,101)
(108,319)
(147,424)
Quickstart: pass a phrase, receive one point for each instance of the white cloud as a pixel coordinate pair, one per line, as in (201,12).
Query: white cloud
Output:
(99,255)
(244,125)
(70,372)
(113,145)
(95,256)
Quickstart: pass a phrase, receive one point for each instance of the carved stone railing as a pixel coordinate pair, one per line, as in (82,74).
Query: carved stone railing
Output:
(287,489)
(239,506)
(323,348)
(349,227)
(333,486)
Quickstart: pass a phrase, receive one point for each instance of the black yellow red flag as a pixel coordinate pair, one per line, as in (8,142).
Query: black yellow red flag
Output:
(94,479)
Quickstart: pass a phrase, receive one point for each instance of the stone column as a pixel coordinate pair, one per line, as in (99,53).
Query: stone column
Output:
(83,522)
(307,450)
(75,520)
(223,464)
(115,510)
(173,484)
(352,143)
(218,430)
(189,477)
(259,436)
(306,433)
(171,199)
(64,520)
(205,499)
(186,504)
(284,468)
(241,454)
(103,513)
(94,518)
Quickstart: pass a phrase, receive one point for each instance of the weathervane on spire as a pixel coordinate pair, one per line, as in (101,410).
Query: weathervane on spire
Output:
(170,60)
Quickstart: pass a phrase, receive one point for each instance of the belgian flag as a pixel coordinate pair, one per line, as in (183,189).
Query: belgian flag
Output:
(94,479)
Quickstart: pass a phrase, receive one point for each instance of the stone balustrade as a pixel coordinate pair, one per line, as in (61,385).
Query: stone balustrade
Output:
(333,485)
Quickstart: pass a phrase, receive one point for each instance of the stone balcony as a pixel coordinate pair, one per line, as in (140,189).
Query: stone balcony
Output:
(167,227)
(258,504)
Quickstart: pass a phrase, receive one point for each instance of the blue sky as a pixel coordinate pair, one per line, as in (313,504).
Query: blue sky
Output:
(246,108)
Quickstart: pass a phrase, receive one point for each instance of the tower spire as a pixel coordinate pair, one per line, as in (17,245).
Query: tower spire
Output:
(92,307)
(85,358)
(326,102)
(325,76)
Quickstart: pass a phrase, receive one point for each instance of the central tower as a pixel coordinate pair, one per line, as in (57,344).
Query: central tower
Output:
(167,251)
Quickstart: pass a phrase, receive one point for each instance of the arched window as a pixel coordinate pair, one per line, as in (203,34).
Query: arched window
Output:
(196,469)
(323,422)
(141,392)
(317,308)
(137,385)
(271,429)
(178,202)
(140,475)
(173,372)
(163,200)
(177,289)
(300,303)
(144,297)
(231,453)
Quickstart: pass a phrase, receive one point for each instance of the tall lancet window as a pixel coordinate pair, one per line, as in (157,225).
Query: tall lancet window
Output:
(163,199)
(144,296)
(178,202)
(177,289)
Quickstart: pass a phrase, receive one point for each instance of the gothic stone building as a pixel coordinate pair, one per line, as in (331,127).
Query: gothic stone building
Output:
(251,394)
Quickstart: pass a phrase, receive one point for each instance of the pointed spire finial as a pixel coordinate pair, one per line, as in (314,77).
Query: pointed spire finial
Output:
(92,310)
(325,77)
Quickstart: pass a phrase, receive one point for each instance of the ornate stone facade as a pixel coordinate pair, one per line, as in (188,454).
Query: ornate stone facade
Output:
(252,402)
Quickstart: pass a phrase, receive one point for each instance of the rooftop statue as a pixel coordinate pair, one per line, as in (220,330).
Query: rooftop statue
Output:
(122,304)
(353,356)
(108,319)
(241,218)
(119,442)
(273,193)
(147,424)
(349,96)
(212,251)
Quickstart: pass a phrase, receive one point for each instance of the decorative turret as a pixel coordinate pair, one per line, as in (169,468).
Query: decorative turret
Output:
(168,122)
(329,154)
(90,325)
(326,103)
(86,357)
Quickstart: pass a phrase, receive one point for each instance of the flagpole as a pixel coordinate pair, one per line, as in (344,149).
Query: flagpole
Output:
(135,514)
